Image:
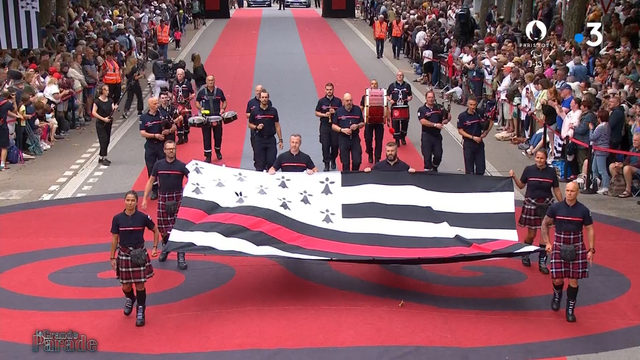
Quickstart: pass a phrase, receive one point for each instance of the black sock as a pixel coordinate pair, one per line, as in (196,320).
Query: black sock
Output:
(142,297)
(572,293)
(543,252)
(129,295)
(558,288)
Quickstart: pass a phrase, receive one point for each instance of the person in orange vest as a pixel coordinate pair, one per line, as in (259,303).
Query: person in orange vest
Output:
(111,76)
(162,32)
(397,26)
(380,34)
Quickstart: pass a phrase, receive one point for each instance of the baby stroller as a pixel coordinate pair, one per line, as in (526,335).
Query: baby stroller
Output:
(489,110)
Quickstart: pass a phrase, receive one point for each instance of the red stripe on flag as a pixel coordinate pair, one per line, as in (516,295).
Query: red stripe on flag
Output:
(288,236)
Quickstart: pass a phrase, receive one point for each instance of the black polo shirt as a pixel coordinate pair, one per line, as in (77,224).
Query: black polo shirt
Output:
(385,165)
(345,119)
(151,123)
(169,175)
(253,104)
(399,91)
(471,123)
(324,104)
(182,90)
(130,229)
(569,218)
(4,110)
(288,162)
(436,114)
(268,117)
(540,182)
(211,100)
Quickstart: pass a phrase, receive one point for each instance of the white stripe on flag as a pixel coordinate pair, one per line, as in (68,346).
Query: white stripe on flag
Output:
(12,24)
(23,28)
(528,248)
(3,33)
(463,203)
(223,243)
(35,32)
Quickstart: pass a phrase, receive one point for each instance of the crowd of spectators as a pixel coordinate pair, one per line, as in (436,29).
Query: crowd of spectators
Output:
(49,92)
(582,95)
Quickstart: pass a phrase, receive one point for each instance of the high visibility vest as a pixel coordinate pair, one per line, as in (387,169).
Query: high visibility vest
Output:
(112,76)
(163,34)
(380,30)
(397,28)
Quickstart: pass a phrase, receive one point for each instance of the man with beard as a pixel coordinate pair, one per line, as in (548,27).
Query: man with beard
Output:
(433,118)
(170,173)
(182,95)
(326,111)
(253,104)
(211,102)
(398,94)
(265,122)
(391,163)
(349,121)
(371,130)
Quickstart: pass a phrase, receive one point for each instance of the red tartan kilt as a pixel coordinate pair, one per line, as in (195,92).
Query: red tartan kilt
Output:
(528,216)
(128,273)
(577,269)
(165,223)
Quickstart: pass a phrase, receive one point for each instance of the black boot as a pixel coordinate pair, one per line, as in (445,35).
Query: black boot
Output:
(370,159)
(186,137)
(182,263)
(218,154)
(207,158)
(572,295)
(404,141)
(542,261)
(398,142)
(557,297)
(333,165)
(164,254)
(526,261)
(326,166)
(140,316)
(128,305)
(154,194)
(180,139)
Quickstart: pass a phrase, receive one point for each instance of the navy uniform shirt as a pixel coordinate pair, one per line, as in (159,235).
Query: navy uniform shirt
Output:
(288,162)
(268,117)
(169,175)
(384,165)
(569,218)
(152,124)
(399,91)
(324,104)
(471,123)
(436,114)
(131,228)
(345,119)
(540,182)
(211,100)
(182,90)
(4,110)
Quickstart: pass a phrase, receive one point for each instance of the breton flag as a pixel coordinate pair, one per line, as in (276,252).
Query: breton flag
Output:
(20,28)
(376,217)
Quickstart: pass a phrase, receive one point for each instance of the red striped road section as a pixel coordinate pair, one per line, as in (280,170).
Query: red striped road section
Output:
(330,61)
(232,62)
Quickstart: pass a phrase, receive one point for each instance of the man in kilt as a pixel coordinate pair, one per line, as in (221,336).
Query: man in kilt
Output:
(183,93)
(132,264)
(569,257)
(542,184)
(170,173)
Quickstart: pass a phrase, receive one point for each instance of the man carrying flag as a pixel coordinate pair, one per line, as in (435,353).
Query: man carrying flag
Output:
(391,163)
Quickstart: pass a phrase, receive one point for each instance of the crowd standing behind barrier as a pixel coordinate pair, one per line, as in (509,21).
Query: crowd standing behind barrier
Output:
(520,81)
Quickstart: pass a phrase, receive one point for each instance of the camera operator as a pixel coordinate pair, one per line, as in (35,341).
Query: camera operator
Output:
(161,72)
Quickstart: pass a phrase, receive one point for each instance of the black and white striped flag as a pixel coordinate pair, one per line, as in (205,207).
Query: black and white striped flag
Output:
(20,29)
(377,217)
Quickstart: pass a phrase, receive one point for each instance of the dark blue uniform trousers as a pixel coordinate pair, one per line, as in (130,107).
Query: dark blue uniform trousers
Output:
(153,151)
(350,153)
(431,150)
(474,159)
(264,152)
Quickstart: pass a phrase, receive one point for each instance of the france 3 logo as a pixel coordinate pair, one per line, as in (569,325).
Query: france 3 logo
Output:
(536,31)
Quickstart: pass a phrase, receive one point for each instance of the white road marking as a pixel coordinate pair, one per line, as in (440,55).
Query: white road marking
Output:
(85,155)
(67,173)
(92,180)
(54,187)
(418,93)
(98,173)
(81,195)
(91,149)
(102,167)
(46,197)
(62,179)
(13,194)
(95,145)
(74,167)
(75,182)
(86,188)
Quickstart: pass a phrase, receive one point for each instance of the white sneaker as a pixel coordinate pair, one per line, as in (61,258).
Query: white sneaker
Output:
(603,191)
(27,156)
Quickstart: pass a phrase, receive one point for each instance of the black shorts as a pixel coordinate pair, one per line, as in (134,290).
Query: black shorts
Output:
(427,68)
(4,136)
